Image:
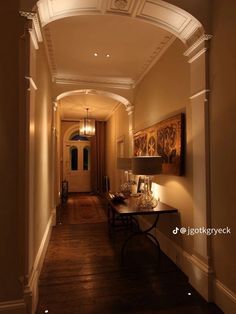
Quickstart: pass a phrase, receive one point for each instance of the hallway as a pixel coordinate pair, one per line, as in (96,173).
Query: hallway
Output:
(82,272)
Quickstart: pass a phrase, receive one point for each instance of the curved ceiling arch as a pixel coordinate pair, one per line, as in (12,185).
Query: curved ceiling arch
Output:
(160,13)
(115,100)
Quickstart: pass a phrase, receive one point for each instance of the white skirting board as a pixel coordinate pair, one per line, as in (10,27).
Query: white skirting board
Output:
(224,297)
(31,290)
(29,303)
(13,307)
(200,275)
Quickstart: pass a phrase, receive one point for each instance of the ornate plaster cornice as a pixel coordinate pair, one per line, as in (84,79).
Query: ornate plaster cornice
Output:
(198,47)
(35,30)
(118,83)
(160,13)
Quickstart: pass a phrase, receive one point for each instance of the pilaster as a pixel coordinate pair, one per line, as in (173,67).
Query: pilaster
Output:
(198,59)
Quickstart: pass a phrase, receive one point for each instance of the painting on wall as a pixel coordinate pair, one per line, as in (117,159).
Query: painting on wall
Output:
(165,138)
(140,144)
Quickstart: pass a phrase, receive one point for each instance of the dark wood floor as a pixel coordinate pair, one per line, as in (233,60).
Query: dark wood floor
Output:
(83,273)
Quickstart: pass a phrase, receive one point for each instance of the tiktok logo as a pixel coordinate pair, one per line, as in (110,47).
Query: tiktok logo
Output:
(175,231)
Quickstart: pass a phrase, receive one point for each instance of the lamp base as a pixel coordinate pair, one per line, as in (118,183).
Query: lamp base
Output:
(147,201)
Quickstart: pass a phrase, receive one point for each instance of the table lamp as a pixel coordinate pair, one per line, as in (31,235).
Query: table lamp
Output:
(146,166)
(125,165)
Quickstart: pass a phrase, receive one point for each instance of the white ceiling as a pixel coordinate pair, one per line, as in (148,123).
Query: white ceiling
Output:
(73,107)
(132,46)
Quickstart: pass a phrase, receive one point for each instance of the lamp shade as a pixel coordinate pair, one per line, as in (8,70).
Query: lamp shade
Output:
(147,165)
(124,163)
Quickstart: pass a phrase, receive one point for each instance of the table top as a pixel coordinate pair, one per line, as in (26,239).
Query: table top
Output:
(129,207)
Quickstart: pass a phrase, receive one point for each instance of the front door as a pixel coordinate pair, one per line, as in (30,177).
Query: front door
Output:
(76,165)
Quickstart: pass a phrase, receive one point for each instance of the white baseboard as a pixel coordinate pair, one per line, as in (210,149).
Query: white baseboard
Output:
(224,297)
(16,307)
(31,289)
(200,275)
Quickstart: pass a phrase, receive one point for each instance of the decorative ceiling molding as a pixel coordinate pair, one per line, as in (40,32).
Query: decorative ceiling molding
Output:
(159,51)
(51,10)
(121,6)
(161,13)
(50,52)
(113,96)
(120,83)
(198,47)
(114,82)
(172,18)
(35,29)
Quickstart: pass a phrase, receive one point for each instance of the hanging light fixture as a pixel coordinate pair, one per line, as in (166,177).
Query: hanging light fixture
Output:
(87,126)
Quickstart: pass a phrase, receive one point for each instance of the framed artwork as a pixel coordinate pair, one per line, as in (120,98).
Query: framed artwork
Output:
(166,139)
(140,144)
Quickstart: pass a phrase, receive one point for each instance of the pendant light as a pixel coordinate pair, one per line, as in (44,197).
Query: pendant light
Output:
(87,126)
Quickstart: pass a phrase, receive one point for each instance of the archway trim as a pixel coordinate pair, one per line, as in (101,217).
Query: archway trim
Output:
(120,99)
(161,13)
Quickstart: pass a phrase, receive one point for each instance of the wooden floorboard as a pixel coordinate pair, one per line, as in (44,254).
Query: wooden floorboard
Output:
(83,272)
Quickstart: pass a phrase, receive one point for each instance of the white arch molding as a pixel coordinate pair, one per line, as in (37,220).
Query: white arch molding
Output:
(119,98)
(191,32)
(122,100)
(160,13)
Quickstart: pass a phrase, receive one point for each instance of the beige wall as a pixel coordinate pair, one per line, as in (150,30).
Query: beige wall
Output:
(223,131)
(161,94)
(43,148)
(117,130)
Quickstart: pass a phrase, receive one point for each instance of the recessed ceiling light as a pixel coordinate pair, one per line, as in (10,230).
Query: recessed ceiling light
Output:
(95,54)
(189,293)
(108,56)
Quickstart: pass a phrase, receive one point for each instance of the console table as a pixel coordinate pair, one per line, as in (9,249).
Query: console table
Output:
(128,209)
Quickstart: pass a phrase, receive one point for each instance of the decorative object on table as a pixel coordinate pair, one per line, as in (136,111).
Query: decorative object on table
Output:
(125,165)
(165,139)
(141,181)
(146,166)
(87,126)
(117,197)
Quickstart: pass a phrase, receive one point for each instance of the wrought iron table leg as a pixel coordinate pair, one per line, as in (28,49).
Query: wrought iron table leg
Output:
(141,232)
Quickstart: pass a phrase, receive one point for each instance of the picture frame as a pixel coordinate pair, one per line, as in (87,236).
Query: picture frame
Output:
(166,139)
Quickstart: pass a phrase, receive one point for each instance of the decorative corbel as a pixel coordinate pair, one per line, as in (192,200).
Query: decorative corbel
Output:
(35,30)
(129,109)
(31,83)
(197,47)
